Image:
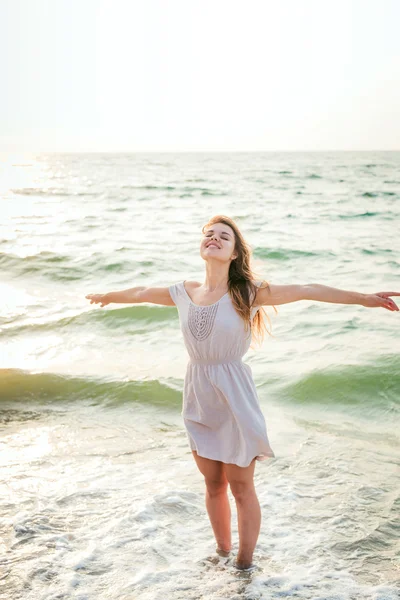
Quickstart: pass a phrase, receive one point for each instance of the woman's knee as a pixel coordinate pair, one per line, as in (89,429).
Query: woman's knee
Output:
(216,486)
(241,480)
(242,490)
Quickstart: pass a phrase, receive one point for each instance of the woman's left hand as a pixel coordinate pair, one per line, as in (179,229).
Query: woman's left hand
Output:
(380,299)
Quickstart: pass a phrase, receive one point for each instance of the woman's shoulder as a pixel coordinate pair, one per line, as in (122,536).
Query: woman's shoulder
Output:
(258,283)
(182,289)
(190,285)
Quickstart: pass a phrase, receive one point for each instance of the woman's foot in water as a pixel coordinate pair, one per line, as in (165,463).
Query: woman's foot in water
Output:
(221,552)
(242,565)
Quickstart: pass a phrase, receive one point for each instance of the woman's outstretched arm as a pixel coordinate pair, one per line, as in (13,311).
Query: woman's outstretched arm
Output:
(136,295)
(283,294)
(324,293)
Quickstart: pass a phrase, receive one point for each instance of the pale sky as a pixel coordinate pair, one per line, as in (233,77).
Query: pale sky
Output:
(199,75)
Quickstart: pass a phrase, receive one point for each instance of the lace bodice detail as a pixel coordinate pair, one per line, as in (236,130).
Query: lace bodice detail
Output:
(201,320)
(214,331)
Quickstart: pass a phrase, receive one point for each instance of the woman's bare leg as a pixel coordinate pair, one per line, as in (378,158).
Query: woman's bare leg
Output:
(248,509)
(217,501)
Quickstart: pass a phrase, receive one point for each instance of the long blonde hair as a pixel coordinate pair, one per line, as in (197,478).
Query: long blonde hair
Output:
(241,277)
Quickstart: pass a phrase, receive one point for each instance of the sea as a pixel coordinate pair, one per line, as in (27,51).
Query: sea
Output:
(100,497)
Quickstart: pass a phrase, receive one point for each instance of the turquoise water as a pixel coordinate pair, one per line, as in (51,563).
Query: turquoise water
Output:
(100,496)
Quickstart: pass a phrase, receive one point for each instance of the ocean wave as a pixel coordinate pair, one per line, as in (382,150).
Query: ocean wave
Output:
(171,188)
(370,390)
(48,388)
(361,215)
(32,191)
(376,194)
(286,254)
(60,267)
(373,388)
(165,188)
(136,316)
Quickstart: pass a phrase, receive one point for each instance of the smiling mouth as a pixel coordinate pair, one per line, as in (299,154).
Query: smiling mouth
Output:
(212,246)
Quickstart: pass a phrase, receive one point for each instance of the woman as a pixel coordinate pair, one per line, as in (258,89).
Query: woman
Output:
(225,426)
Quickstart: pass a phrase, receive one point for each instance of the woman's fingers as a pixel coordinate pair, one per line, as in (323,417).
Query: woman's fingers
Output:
(96,298)
(387,294)
(389,303)
(380,300)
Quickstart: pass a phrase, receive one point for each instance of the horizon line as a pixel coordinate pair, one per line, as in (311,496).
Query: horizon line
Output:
(186,151)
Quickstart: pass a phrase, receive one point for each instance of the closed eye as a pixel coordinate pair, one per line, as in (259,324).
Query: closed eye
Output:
(222,238)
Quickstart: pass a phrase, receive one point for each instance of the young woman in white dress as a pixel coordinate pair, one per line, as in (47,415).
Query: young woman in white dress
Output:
(227,261)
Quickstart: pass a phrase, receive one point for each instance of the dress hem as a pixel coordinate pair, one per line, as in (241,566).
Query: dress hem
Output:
(259,457)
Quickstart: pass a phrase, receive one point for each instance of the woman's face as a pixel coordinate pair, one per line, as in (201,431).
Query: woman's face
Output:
(218,243)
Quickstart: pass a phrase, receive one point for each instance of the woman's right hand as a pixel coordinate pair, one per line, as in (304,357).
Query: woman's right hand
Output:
(98,298)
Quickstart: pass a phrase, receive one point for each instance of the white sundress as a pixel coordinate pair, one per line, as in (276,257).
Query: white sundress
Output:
(221,409)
